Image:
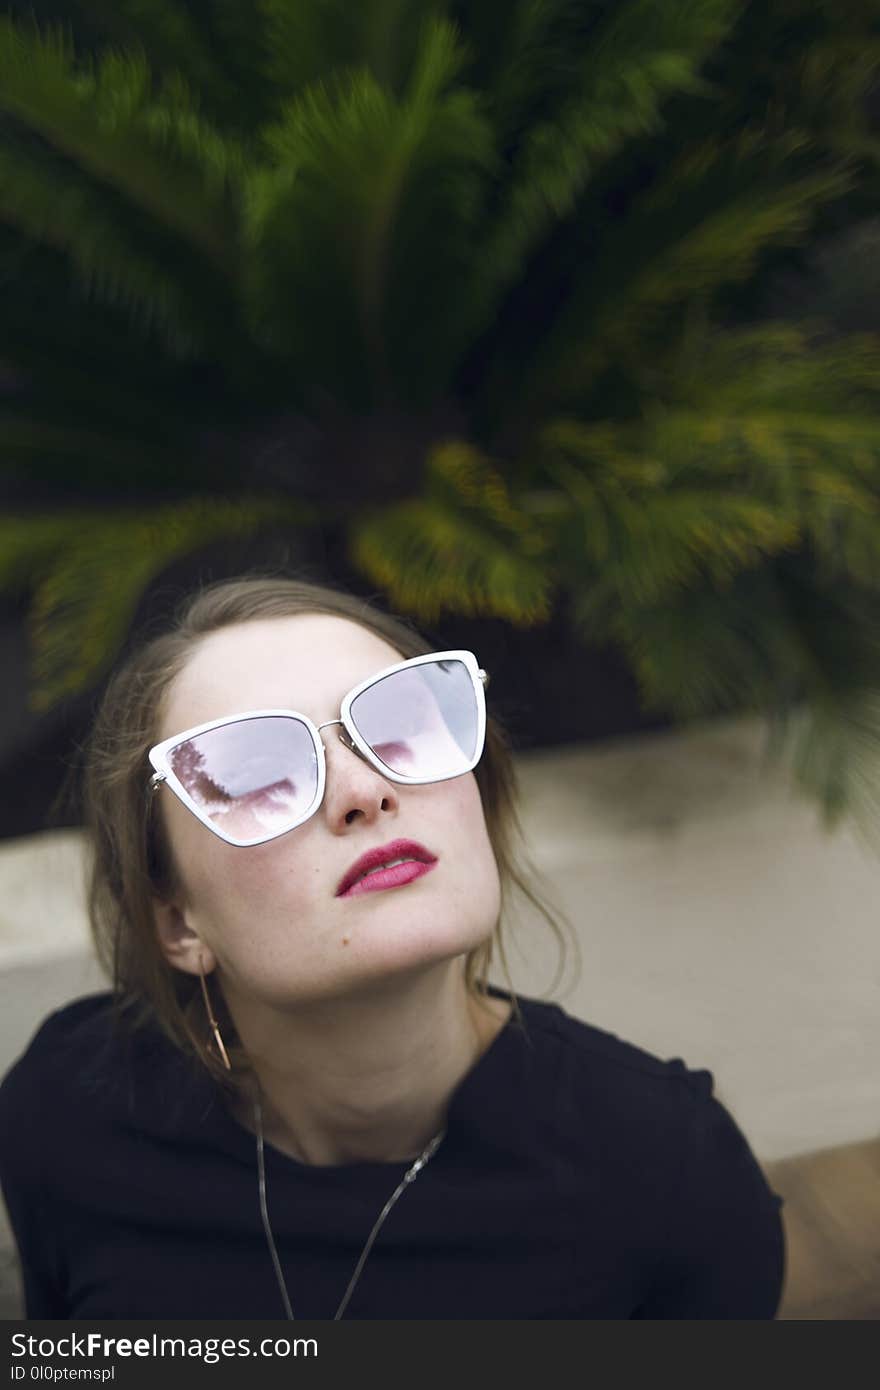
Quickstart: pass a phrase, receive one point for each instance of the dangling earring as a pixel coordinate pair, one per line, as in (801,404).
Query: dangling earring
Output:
(215,1027)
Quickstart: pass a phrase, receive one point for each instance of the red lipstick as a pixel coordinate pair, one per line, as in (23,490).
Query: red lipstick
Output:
(369,873)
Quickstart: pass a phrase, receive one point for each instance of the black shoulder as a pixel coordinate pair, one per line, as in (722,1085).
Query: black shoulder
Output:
(63,1035)
(65,1059)
(90,1067)
(615,1098)
(596,1051)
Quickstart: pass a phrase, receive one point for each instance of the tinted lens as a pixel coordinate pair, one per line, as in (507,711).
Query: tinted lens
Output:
(422,721)
(252,778)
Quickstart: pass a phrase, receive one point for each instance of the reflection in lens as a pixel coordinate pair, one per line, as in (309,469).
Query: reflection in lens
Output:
(421,721)
(397,755)
(252,777)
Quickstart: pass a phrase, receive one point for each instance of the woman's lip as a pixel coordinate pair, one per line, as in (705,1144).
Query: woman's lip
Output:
(382,855)
(388,878)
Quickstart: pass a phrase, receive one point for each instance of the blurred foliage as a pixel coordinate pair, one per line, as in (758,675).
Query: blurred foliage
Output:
(479,284)
(72,557)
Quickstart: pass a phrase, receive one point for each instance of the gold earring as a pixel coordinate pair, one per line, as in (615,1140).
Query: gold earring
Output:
(215,1027)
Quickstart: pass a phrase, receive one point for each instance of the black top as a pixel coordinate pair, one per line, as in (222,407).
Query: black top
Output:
(580,1177)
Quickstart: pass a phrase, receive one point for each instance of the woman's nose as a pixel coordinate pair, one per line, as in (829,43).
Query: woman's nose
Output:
(345,739)
(353,784)
(342,734)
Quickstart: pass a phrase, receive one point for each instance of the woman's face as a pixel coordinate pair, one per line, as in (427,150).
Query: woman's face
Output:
(269,915)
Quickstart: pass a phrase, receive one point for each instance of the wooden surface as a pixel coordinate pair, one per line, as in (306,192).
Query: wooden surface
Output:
(832,1227)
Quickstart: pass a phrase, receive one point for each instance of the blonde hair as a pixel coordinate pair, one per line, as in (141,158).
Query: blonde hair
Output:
(131,863)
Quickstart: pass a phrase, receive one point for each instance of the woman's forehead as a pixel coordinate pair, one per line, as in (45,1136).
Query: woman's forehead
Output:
(306,662)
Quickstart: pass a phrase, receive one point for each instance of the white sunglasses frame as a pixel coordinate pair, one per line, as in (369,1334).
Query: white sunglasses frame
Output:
(164,775)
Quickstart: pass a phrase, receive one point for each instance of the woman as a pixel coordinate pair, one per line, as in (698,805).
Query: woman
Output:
(301,1097)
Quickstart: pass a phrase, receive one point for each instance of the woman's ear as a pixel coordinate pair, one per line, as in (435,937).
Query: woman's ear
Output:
(180,945)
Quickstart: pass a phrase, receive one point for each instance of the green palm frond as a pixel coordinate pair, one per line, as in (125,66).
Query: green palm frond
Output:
(708,652)
(640,54)
(734,398)
(824,467)
(174,40)
(50,202)
(830,737)
(463,547)
(832,747)
(731,547)
(772,365)
(520,50)
(719,477)
(103,116)
(308,40)
(707,230)
(628,535)
(429,560)
(812,666)
(458,475)
(750,648)
(832,77)
(88,571)
(832,740)
(27,545)
(110,363)
(301,239)
(355,177)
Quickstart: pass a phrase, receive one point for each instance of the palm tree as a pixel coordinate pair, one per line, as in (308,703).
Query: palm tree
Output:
(459,281)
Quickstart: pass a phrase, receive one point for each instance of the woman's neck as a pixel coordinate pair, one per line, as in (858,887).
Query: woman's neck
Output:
(366,1078)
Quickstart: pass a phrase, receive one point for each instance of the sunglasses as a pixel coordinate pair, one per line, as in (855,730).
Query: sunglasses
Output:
(252,777)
